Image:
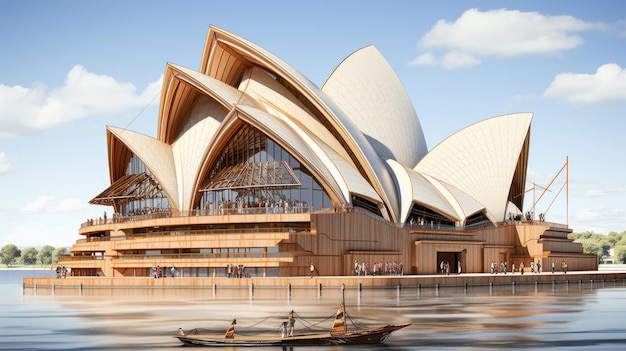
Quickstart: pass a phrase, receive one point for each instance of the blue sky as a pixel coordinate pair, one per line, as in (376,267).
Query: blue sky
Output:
(69,68)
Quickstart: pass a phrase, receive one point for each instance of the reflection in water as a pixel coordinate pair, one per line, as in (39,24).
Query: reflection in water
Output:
(578,316)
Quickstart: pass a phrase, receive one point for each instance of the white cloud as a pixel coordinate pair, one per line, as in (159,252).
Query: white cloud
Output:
(84,94)
(31,235)
(458,59)
(5,166)
(38,204)
(607,84)
(49,204)
(501,33)
(601,192)
(66,205)
(426,59)
(601,219)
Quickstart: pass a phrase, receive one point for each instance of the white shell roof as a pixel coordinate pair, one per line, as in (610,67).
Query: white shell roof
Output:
(156,155)
(480,160)
(364,100)
(359,144)
(367,89)
(414,188)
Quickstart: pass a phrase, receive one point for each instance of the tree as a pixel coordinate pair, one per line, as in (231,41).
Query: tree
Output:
(57,253)
(620,254)
(9,253)
(45,255)
(613,238)
(29,256)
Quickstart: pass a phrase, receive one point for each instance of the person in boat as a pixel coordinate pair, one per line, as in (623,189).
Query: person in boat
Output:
(292,323)
(230,333)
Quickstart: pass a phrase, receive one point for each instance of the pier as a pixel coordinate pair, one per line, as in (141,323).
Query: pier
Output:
(333,282)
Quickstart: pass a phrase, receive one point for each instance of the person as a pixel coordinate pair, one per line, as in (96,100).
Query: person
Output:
(173,272)
(230,333)
(552,267)
(521,268)
(441,265)
(513,268)
(356,267)
(292,323)
(538,266)
(158,271)
(283,330)
(312,269)
(458,267)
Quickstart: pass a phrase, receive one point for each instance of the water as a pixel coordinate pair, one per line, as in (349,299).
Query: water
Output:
(562,317)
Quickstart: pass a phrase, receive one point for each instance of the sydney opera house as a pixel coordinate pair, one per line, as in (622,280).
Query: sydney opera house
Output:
(256,171)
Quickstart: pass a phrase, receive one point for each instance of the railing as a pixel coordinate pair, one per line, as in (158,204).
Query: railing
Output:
(300,209)
(205,255)
(552,225)
(66,258)
(197,232)
(233,211)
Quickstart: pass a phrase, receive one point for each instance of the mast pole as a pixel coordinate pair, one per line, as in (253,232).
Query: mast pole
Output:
(567,191)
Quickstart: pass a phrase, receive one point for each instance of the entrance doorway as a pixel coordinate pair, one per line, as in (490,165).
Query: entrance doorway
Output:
(448,257)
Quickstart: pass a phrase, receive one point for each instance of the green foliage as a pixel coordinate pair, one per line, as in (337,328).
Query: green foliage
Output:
(600,244)
(48,255)
(57,253)
(29,256)
(9,253)
(45,255)
(620,253)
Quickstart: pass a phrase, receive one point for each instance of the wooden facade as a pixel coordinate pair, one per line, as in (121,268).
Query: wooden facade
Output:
(286,244)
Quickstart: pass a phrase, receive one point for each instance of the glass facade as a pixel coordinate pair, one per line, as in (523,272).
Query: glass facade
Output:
(288,187)
(147,200)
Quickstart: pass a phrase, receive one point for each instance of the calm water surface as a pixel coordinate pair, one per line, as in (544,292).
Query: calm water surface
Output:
(563,317)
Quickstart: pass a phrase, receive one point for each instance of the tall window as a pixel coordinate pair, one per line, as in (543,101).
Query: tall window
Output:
(147,196)
(254,171)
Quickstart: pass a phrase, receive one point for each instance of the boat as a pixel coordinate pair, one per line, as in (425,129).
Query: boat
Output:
(339,334)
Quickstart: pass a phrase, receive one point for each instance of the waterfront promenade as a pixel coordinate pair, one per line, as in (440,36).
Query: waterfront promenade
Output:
(324,282)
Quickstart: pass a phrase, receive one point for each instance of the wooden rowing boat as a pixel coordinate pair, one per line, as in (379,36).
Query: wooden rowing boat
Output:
(338,335)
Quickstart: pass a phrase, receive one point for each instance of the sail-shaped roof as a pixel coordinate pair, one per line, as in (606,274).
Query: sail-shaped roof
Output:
(359,135)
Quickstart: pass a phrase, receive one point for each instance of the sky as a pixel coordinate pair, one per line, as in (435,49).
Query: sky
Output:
(70,68)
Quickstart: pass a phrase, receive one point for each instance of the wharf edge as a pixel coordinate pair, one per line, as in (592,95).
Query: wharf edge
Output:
(367,282)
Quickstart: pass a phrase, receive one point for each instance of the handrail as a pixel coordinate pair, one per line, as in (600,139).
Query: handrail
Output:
(158,214)
(169,256)
(197,232)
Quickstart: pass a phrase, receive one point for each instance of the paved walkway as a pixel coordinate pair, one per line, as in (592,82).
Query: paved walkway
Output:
(425,281)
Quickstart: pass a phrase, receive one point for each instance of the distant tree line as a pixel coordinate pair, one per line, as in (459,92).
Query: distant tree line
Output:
(600,244)
(47,255)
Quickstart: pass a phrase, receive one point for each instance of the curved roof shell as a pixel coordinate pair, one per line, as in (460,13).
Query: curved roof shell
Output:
(483,160)
(367,89)
(358,135)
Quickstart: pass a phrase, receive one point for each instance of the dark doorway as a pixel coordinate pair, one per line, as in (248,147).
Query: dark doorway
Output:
(448,257)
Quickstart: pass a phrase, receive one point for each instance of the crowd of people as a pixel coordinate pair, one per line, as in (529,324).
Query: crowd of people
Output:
(534,267)
(366,268)
(160,272)
(445,267)
(62,272)
(236,271)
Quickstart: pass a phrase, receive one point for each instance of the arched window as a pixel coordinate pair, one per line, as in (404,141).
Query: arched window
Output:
(254,171)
